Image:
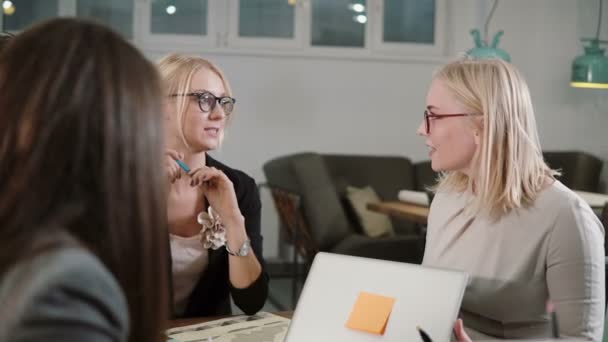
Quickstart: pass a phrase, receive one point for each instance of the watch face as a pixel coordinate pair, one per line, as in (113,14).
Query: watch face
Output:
(244,250)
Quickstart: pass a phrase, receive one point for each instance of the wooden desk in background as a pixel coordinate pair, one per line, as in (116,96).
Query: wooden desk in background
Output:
(407,211)
(419,213)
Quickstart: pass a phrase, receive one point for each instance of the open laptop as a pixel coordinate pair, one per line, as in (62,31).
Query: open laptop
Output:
(425,297)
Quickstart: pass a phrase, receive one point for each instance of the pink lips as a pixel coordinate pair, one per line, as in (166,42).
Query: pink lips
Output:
(212,131)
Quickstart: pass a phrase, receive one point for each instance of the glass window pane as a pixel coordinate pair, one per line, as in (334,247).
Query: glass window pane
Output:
(339,22)
(117,14)
(409,21)
(266,18)
(23,13)
(179,17)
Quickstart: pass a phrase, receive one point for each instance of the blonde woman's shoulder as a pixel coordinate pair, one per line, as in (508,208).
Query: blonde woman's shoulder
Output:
(570,207)
(561,195)
(448,197)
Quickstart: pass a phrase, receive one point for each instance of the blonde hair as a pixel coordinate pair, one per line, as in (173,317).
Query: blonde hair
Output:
(176,71)
(508,170)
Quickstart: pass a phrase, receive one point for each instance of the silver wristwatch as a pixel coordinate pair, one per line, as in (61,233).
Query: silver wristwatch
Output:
(243,250)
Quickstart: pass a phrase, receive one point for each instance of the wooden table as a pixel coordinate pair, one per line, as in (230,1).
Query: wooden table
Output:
(420,214)
(408,211)
(174,323)
(595,200)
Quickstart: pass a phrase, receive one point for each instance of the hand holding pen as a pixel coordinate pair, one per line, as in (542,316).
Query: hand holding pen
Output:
(423,335)
(173,165)
(459,333)
(218,188)
(553,319)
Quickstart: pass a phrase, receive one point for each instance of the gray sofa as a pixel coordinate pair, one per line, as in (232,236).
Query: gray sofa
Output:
(580,170)
(319,181)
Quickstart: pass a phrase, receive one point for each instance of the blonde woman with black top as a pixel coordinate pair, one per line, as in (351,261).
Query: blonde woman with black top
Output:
(213,210)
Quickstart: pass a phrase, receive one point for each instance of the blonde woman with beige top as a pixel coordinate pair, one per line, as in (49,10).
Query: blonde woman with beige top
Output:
(500,215)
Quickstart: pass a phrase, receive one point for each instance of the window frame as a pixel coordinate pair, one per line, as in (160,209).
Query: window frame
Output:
(222,31)
(437,49)
(233,39)
(156,41)
(340,51)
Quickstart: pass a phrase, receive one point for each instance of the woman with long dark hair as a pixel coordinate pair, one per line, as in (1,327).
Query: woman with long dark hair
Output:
(82,203)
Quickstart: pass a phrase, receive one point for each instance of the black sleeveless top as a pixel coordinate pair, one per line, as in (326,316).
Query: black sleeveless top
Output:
(210,296)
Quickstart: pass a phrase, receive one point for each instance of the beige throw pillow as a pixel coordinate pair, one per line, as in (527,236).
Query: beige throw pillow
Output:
(373,224)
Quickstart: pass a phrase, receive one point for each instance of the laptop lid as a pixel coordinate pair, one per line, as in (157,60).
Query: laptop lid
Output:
(423,296)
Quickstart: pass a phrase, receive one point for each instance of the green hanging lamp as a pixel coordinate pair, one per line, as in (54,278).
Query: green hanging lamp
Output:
(591,69)
(482,49)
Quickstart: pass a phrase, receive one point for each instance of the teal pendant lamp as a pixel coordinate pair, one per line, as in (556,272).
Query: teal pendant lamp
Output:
(482,49)
(591,69)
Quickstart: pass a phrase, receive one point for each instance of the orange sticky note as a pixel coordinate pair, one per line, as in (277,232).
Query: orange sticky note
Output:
(370,313)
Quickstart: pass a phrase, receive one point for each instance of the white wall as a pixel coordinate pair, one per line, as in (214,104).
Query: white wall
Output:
(289,104)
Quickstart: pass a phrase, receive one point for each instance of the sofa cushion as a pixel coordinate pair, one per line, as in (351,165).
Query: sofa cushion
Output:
(373,224)
(385,174)
(320,201)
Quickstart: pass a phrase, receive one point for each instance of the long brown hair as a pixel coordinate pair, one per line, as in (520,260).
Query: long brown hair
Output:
(81,148)
(5,37)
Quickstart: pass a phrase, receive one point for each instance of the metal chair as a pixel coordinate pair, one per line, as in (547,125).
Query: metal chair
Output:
(295,232)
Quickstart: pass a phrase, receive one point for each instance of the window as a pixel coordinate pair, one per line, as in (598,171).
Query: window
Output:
(409,21)
(260,18)
(331,28)
(338,23)
(117,14)
(170,25)
(410,27)
(179,17)
(264,23)
(19,14)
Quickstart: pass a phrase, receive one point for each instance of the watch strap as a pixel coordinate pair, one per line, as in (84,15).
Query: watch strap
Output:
(243,250)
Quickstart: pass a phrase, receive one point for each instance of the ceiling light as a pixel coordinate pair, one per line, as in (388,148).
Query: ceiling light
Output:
(591,69)
(359,8)
(361,18)
(484,50)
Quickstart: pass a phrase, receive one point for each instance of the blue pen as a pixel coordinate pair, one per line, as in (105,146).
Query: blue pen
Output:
(182,165)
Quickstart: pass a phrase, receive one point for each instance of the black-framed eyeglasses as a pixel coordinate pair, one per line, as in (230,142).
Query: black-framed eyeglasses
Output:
(428,115)
(207,102)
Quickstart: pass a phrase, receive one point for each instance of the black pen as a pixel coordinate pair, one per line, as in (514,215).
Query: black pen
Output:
(425,337)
